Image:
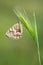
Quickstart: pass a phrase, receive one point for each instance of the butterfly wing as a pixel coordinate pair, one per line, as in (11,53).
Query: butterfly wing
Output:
(15,31)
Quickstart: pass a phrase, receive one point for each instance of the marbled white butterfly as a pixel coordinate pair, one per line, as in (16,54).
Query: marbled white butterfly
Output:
(15,31)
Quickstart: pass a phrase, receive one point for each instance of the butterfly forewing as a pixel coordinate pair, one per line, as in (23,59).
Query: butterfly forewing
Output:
(15,31)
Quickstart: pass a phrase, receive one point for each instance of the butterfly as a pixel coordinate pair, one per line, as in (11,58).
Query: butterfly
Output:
(15,31)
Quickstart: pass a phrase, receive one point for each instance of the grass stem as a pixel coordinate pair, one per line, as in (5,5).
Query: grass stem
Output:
(36,40)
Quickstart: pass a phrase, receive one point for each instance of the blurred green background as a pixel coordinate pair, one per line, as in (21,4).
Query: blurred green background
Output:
(22,51)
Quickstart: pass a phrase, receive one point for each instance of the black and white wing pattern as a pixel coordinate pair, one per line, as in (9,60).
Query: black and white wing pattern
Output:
(15,31)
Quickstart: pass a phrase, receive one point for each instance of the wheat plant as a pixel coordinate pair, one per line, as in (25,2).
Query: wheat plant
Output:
(32,31)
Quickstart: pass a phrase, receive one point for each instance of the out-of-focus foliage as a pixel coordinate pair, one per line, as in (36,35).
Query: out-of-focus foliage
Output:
(22,51)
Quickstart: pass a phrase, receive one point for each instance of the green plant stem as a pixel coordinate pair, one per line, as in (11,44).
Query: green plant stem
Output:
(38,50)
(37,42)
